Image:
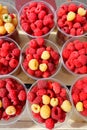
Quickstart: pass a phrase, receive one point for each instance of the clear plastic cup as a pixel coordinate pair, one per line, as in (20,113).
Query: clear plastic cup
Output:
(51,10)
(11,10)
(78,116)
(47,43)
(82,39)
(57,124)
(12,41)
(14,119)
(61,35)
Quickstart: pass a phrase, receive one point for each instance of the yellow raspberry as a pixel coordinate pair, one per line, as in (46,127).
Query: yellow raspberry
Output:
(33,64)
(1,7)
(66,106)
(71,16)
(1,22)
(2,30)
(54,102)
(45,111)
(9,27)
(45,99)
(0,103)
(10,110)
(79,106)
(15,21)
(35,108)
(81,11)
(43,67)
(45,55)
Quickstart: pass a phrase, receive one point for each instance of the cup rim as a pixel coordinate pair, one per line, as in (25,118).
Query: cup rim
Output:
(10,39)
(64,45)
(59,29)
(49,6)
(68,115)
(59,64)
(24,107)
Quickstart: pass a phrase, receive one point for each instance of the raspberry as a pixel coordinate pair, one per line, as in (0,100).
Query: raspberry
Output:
(3,52)
(31,72)
(74,55)
(73,31)
(83,96)
(13,95)
(38,117)
(38,32)
(79,31)
(56,87)
(46,74)
(60,101)
(2,83)
(82,59)
(32,26)
(72,7)
(85,27)
(32,51)
(69,24)
(42,84)
(40,41)
(29,57)
(41,92)
(1,112)
(5,116)
(4,61)
(65,7)
(84,112)
(6,102)
(32,4)
(50,93)
(16,52)
(47,20)
(41,14)
(60,23)
(51,66)
(18,109)
(66,53)
(1,42)
(38,73)
(30,96)
(40,50)
(34,89)
(37,57)
(22,95)
(55,55)
(3,92)
(33,43)
(77,25)
(50,85)
(6,45)
(56,111)
(37,100)
(49,123)
(85,44)
(32,17)
(45,30)
(82,51)
(79,18)
(25,27)
(39,24)
(75,98)
(66,29)
(61,12)
(77,63)
(13,63)
(9,86)
(85,104)
(63,92)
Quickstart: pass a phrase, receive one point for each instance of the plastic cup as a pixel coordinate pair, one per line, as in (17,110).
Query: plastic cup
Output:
(14,119)
(51,10)
(82,39)
(11,41)
(47,43)
(61,35)
(57,124)
(78,116)
(11,10)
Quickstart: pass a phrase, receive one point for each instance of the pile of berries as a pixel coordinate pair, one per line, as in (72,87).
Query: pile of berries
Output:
(49,103)
(8,21)
(75,56)
(37,19)
(12,98)
(72,19)
(9,56)
(79,95)
(40,60)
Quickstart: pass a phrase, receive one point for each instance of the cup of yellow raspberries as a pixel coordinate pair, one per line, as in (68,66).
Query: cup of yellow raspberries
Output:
(8,19)
(48,103)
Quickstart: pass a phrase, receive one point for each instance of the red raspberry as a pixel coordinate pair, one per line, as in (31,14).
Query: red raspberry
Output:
(51,66)
(39,24)
(85,27)
(82,59)
(77,25)
(33,43)
(32,51)
(69,24)
(74,55)
(22,95)
(79,18)
(3,52)
(3,92)
(1,42)
(83,96)
(85,44)
(38,73)
(41,92)
(77,63)
(36,56)
(55,55)
(25,65)
(84,112)
(32,4)
(2,83)
(45,30)
(63,92)
(13,63)
(40,50)
(1,112)
(65,7)
(64,17)
(83,70)
(66,53)
(78,45)
(4,61)
(41,14)
(50,93)
(42,84)
(34,89)
(70,46)
(18,109)
(32,26)
(60,100)
(13,95)
(82,51)
(66,29)
(38,32)
(61,12)
(46,74)
(6,102)
(6,45)
(56,87)
(31,72)
(5,116)
(79,31)
(16,52)
(32,17)
(50,85)
(75,98)
(73,31)
(38,117)
(85,104)
(56,111)
(40,41)
(26,27)
(49,123)
(60,23)
(37,100)
(31,96)
(29,57)
(47,20)
(10,86)
(72,7)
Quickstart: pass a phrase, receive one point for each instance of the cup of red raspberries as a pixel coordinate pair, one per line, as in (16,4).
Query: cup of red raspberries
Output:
(48,103)
(78,94)
(74,55)
(72,19)
(40,58)
(12,99)
(9,56)
(37,18)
